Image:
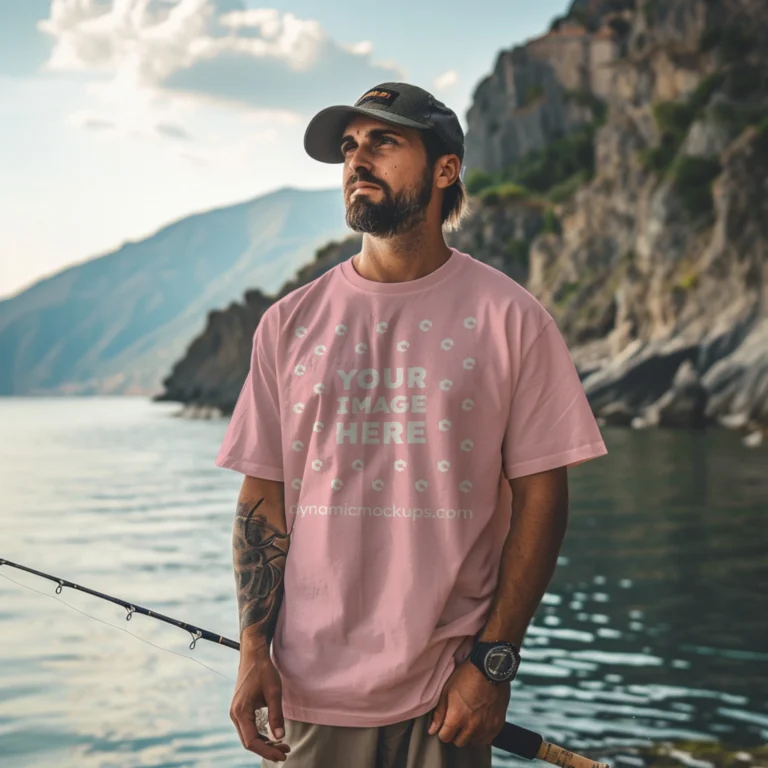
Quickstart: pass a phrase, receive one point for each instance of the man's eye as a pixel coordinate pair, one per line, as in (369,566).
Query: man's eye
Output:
(383,138)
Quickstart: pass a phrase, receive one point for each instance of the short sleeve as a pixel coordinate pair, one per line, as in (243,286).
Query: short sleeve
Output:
(550,423)
(252,443)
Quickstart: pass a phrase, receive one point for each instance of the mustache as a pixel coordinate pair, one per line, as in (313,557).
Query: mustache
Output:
(354,181)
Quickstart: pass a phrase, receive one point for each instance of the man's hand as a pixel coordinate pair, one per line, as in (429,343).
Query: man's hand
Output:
(471,709)
(258,685)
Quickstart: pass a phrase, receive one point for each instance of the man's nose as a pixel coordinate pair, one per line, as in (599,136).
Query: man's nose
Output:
(359,158)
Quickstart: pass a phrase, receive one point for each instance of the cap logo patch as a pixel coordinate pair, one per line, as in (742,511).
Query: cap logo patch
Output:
(378,96)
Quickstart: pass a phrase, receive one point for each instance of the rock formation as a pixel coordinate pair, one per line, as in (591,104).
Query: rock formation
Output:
(618,168)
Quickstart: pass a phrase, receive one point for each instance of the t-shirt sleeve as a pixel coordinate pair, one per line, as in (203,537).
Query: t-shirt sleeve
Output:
(550,423)
(253,441)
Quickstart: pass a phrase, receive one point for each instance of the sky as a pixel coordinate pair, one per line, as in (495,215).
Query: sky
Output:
(118,117)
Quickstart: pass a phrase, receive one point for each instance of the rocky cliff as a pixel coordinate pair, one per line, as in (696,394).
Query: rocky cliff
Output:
(617,166)
(655,268)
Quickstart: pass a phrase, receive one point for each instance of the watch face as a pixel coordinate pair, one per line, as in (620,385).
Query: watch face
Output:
(500,663)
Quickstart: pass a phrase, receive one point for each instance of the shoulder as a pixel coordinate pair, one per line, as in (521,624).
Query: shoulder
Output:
(521,309)
(299,304)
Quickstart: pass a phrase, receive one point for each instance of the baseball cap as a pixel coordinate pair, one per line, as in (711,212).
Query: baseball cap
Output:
(399,103)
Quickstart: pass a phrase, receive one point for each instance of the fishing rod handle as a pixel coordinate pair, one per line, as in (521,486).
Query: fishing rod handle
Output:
(551,753)
(530,745)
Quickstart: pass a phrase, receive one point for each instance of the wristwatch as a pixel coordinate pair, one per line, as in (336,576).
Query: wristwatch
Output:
(499,661)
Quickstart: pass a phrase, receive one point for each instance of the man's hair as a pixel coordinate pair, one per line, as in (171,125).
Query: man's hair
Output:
(455,200)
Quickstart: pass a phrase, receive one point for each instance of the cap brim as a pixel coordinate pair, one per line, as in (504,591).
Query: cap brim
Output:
(322,139)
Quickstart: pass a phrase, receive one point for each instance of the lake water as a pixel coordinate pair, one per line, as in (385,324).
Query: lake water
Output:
(655,625)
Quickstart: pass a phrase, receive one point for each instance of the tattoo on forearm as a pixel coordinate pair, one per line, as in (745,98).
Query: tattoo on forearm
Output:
(260,551)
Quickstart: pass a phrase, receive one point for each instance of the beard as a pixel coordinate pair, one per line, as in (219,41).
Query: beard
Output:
(394,214)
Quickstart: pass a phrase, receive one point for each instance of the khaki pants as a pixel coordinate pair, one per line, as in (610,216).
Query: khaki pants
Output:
(401,745)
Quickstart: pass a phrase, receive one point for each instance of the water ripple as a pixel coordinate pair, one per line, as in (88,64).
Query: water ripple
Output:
(653,627)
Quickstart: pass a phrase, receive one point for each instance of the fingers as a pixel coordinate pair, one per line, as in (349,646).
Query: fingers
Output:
(449,730)
(464,734)
(268,750)
(444,723)
(494,729)
(273,695)
(439,715)
(463,730)
(242,715)
(467,735)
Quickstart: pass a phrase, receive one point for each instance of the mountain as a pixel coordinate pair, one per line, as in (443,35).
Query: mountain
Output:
(616,167)
(210,375)
(115,324)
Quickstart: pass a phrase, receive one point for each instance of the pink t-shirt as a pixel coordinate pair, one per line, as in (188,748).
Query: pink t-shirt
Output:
(390,411)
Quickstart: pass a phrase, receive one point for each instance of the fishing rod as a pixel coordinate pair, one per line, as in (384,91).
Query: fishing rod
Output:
(512,738)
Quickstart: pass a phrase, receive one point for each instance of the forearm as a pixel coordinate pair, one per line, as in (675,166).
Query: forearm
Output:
(260,545)
(528,562)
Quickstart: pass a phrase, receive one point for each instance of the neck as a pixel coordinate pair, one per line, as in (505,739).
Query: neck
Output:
(398,259)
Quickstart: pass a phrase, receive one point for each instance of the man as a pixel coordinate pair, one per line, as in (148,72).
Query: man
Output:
(384,589)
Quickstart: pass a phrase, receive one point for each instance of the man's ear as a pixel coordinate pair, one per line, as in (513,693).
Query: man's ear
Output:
(448,171)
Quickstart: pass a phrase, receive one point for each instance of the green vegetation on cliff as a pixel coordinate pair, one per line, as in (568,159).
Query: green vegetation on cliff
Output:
(674,120)
(551,174)
(692,177)
(733,40)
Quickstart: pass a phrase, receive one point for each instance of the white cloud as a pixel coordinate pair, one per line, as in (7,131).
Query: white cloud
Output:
(446,80)
(247,151)
(270,117)
(361,48)
(95,123)
(208,49)
(172,131)
(134,111)
(135,39)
